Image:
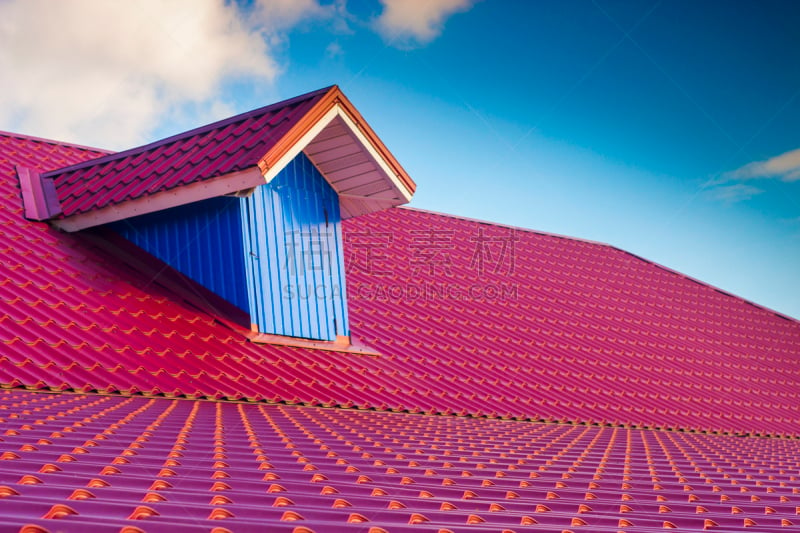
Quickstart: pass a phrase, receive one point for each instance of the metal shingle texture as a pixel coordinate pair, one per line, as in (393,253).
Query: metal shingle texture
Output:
(517,324)
(72,462)
(492,318)
(227,146)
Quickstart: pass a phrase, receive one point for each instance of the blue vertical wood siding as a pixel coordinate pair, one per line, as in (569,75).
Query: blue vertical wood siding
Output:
(277,253)
(294,260)
(203,240)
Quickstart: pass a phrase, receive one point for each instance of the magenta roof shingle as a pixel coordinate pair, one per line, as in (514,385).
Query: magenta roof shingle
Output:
(479,320)
(553,328)
(103,463)
(234,144)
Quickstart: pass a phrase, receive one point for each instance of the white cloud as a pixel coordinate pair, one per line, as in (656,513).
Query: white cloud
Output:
(407,22)
(785,167)
(282,15)
(105,73)
(110,73)
(737,192)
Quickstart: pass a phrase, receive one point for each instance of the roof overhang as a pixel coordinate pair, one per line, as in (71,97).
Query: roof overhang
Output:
(333,135)
(348,153)
(231,183)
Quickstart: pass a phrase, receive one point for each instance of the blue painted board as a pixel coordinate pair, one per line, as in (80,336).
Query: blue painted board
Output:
(202,240)
(294,260)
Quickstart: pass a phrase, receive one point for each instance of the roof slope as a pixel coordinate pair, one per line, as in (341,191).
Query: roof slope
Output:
(101,463)
(227,146)
(470,318)
(501,319)
(572,330)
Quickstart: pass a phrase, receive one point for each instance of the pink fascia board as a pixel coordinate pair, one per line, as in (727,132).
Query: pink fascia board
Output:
(39,196)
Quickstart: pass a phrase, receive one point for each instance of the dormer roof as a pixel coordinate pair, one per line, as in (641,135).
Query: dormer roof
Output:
(227,157)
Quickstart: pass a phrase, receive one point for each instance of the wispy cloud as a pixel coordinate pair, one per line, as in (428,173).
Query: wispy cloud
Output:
(334,50)
(409,23)
(283,14)
(735,186)
(731,194)
(105,73)
(785,167)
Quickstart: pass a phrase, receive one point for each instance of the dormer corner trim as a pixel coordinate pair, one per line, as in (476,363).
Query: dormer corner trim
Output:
(39,195)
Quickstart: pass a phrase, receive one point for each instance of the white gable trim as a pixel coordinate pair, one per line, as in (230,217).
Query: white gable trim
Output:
(365,203)
(299,146)
(375,156)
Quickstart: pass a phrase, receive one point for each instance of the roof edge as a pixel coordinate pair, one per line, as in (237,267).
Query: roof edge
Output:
(113,156)
(194,192)
(55,142)
(510,226)
(333,97)
(613,247)
(712,287)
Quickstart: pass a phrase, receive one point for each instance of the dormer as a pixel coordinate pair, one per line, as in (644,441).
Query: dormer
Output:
(249,207)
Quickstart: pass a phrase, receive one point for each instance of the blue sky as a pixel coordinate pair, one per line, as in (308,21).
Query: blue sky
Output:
(668,129)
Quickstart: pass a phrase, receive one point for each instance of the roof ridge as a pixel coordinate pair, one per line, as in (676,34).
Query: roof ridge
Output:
(189,133)
(613,247)
(712,287)
(510,226)
(55,142)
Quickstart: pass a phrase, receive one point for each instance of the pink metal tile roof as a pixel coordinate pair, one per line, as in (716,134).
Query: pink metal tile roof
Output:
(515,323)
(499,317)
(78,462)
(469,318)
(234,144)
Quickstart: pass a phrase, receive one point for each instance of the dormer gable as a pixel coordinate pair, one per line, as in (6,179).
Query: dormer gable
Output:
(250,207)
